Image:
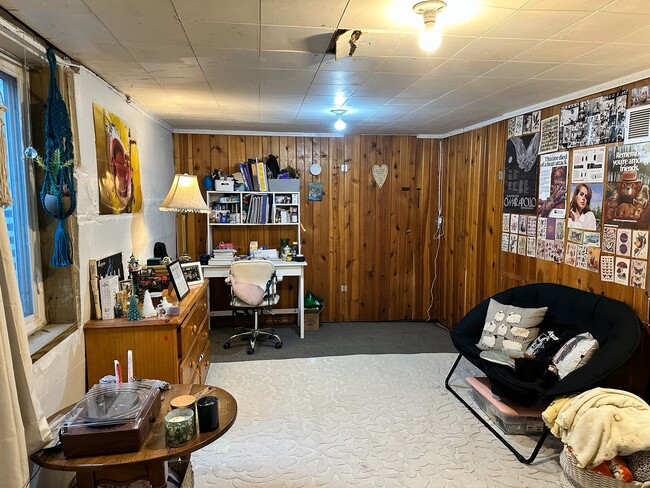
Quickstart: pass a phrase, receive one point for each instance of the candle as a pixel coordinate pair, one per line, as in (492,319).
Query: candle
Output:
(179,426)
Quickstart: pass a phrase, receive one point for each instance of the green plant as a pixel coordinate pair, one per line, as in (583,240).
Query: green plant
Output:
(54,167)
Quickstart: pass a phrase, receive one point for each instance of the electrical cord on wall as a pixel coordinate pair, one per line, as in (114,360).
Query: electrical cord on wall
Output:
(437,236)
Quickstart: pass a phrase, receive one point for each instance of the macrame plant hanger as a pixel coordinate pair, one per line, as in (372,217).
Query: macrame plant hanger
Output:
(58,136)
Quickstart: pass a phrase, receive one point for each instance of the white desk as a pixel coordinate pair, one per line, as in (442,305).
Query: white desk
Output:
(282,269)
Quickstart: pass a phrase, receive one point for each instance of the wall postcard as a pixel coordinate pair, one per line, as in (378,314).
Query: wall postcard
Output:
(550,137)
(553,171)
(118,165)
(626,191)
(588,165)
(520,182)
(640,96)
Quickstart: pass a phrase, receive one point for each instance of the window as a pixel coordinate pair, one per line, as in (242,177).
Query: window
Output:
(21,217)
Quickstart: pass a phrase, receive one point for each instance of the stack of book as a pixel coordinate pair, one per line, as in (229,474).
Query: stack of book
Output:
(222,257)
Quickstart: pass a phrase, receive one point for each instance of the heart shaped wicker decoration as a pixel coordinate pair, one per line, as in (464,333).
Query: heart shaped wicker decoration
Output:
(380,173)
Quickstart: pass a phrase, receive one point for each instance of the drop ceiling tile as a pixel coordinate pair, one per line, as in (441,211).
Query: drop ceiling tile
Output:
(556,51)
(305,39)
(290,60)
(640,36)
(528,24)
(100,52)
(122,68)
(239,12)
(215,59)
(71,6)
(628,7)
(564,5)
(478,25)
(494,49)
(593,28)
(162,30)
(302,13)
(335,77)
(449,47)
(518,70)
(219,35)
(612,53)
(570,71)
(461,67)
(379,90)
(157,53)
(350,63)
(173,70)
(407,65)
(154,9)
(432,87)
(187,84)
(332,90)
(379,15)
(511,4)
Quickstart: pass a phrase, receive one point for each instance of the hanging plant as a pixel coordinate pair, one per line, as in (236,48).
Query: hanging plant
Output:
(55,184)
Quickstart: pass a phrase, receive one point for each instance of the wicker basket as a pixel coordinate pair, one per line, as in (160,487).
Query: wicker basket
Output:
(585,478)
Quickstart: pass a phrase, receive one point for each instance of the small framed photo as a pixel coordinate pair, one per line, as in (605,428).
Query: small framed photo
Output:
(127,286)
(177,278)
(193,272)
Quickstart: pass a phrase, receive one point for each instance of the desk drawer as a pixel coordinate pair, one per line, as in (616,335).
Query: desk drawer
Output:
(191,328)
(196,356)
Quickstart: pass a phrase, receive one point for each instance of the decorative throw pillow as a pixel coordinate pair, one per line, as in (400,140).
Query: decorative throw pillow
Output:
(510,327)
(550,341)
(575,353)
(639,464)
(247,292)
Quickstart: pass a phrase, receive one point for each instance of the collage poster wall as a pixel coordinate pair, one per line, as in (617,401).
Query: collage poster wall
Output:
(118,166)
(520,182)
(599,120)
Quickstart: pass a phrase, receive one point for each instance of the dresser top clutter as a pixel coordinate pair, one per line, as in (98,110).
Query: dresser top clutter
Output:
(175,349)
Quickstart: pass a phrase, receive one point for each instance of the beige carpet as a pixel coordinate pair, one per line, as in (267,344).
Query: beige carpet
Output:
(363,421)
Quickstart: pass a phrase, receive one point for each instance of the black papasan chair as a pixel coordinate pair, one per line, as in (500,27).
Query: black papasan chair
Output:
(612,323)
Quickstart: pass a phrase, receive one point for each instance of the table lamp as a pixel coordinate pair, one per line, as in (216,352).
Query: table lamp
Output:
(184,196)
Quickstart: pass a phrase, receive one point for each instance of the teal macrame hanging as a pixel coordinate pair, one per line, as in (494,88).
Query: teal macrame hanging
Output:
(59,152)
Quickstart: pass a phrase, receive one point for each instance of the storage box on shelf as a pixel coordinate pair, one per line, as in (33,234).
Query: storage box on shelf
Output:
(511,418)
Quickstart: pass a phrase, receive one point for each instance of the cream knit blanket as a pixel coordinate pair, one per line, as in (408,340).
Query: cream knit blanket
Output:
(600,424)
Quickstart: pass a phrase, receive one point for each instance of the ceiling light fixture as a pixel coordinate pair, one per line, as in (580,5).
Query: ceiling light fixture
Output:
(340,123)
(431,37)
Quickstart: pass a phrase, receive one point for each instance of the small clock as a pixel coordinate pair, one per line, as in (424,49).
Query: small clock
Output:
(315,169)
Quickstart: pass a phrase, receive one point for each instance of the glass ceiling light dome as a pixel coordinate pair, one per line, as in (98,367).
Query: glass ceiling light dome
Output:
(340,123)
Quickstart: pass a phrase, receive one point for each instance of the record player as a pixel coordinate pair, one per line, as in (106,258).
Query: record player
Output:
(110,418)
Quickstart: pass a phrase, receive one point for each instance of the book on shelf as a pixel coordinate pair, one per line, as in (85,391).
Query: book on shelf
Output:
(254,176)
(261,176)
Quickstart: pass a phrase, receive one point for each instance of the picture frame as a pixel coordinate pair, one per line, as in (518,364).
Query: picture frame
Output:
(127,286)
(193,272)
(178,279)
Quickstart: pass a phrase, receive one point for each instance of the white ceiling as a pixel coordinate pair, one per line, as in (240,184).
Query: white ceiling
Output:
(213,65)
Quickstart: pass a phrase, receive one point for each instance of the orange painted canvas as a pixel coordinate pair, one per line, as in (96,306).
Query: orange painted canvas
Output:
(118,166)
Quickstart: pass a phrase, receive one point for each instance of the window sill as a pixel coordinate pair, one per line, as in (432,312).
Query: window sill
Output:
(45,339)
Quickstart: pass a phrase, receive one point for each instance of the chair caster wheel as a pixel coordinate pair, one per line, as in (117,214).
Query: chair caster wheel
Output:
(278,345)
(226,345)
(250,352)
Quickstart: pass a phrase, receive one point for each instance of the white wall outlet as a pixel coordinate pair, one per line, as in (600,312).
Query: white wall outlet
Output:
(344,288)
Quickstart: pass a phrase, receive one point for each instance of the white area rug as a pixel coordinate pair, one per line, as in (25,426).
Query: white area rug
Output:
(365,421)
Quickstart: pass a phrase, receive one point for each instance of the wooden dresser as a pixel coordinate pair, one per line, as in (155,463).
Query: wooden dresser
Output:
(175,349)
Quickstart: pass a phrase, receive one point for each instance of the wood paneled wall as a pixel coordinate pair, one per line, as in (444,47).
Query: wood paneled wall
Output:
(473,267)
(377,241)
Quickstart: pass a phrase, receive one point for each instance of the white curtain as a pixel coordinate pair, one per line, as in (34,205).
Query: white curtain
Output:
(23,427)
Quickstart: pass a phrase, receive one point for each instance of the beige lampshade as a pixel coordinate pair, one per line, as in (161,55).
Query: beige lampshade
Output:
(184,195)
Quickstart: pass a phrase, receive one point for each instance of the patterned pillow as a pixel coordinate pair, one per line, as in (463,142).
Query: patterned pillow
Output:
(575,353)
(510,328)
